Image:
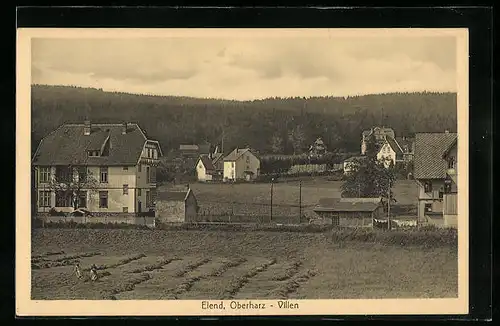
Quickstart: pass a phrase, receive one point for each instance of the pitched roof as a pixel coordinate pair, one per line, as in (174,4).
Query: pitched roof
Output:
(405,141)
(173,195)
(217,157)
(235,154)
(207,162)
(348,204)
(69,145)
(429,150)
(204,148)
(395,146)
(453,144)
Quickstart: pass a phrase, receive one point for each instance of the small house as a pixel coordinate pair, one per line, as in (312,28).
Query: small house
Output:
(378,133)
(318,148)
(350,212)
(241,164)
(210,167)
(176,206)
(390,151)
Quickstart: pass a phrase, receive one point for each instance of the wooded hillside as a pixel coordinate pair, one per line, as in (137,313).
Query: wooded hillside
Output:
(279,125)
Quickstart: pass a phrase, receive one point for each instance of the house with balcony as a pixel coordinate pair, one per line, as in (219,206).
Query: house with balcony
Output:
(434,172)
(107,169)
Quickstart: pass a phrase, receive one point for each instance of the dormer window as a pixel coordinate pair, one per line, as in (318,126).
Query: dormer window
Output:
(451,162)
(94,153)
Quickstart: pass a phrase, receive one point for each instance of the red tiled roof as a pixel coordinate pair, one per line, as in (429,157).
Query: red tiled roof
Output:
(429,150)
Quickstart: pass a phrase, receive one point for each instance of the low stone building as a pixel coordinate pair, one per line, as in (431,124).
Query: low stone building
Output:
(349,212)
(176,206)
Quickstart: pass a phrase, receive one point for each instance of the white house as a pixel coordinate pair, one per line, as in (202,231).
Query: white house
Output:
(378,134)
(210,167)
(390,151)
(241,164)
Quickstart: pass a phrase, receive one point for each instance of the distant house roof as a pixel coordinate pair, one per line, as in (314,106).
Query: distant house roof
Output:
(406,142)
(69,145)
(173,195)
(188,147)
(204,148)
(429,149)
(380,130)
(207,162)
(236,154)
(348,204)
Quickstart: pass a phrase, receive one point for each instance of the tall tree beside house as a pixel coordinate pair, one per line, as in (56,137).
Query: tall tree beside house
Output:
(370,177)
(298,138)
(74,184)
(277,144)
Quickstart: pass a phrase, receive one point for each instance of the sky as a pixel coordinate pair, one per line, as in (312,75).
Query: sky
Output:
(248,68)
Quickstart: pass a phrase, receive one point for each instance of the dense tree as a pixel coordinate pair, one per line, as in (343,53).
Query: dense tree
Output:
(370,177)
(176,120)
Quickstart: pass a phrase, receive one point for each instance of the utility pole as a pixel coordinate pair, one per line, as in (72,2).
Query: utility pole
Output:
(272,183)
(388,208)
(300,201)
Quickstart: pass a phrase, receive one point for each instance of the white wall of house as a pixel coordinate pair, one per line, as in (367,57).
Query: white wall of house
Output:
(386,154)
(202,172)
(235,170)
(432,198)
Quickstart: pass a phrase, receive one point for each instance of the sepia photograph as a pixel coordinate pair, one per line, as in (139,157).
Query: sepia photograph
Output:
(243,171)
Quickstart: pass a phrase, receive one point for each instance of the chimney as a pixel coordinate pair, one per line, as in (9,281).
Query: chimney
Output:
(124,128)
(87,127)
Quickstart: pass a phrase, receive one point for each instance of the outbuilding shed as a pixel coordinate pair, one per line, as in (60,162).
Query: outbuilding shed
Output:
(350,212)
(176,206)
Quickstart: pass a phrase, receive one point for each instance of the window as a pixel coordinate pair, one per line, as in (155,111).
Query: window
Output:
(125,209)
(428,186)
(82,173)
(93,153)
(155,154)
(148,176)
(125,189)
(447,186)
(232,164)
(104,174)
(139,192)
(441,193)
(248,159)
(125,168)
(428,208)
(451,163)
(63,173)
(82,199)
(44,199)
(63,199)
(103,199)
(148,198)
(44,174)
(139,168)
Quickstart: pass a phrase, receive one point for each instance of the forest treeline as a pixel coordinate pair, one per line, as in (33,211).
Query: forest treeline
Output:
(273,125)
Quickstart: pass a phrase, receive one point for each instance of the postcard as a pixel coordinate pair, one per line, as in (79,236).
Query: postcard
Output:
(192,172)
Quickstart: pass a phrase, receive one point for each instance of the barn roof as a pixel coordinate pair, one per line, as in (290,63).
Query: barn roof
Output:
(429,149)
(347,204)
(173,195)
(69,145)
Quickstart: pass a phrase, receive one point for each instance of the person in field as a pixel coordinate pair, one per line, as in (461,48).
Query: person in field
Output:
(78,271)
(93,272)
